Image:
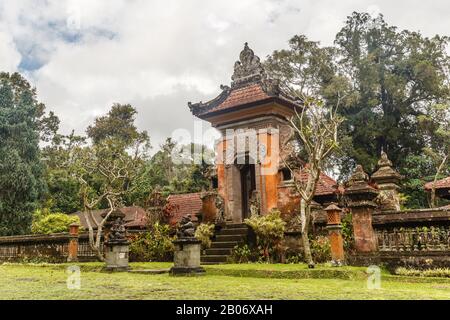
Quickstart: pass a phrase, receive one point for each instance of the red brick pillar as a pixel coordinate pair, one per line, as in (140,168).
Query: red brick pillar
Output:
(334,227)
(73,243)
(361,195)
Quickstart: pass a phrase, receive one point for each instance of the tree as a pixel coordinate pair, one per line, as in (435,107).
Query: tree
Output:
(117,124)
(316,134)
(395,75)
(435,127)
(305,66)
(104,172)
(386,79)
(21,171)
(417,170)
(62,188)
(177,169)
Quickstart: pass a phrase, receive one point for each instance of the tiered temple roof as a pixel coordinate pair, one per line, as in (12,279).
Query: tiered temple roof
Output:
(250,86)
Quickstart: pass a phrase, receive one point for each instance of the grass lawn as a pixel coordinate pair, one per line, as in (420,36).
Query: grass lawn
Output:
(246,281)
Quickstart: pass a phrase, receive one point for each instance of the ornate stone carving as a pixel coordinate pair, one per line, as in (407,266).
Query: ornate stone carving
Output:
(384,160)
(359,191)
(248,69)
(359,175)
(201,107)
(220,206)
(118,231)
(255,204)
(186,228)
(387,180)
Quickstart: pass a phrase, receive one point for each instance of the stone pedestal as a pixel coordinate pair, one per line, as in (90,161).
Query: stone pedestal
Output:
(334,228)
(187,257)
(361,204)
(116,256)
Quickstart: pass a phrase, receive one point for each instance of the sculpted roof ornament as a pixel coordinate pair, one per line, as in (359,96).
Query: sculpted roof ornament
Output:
(359,191)
(384,160)
(249,67)
(385,172)
(359,175)
(250,84)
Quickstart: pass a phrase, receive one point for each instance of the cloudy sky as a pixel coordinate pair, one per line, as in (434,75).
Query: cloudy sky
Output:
(84,55)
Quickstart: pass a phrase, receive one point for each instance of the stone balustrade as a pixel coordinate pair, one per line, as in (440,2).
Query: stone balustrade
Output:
(414,239)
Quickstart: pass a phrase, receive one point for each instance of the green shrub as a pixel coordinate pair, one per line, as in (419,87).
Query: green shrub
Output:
(294,259)
(438,272)
(204,233)
(242,254)
(153,245)
(269,230)
(347,232)
(47,223)
(321,249)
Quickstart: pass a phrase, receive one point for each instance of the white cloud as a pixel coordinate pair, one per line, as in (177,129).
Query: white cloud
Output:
(9,56)
(157,55)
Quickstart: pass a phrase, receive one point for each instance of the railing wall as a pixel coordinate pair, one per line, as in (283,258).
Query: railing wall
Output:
(52,248)
(417,238)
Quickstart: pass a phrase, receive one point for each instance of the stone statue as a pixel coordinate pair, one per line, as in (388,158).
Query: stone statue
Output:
(255,204)
(118,231)
(220,215)
(186,228)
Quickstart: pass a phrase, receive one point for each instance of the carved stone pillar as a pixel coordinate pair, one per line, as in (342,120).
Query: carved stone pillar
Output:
(116,246)
(73,243)
(334,228)
(187,250)
(361,196)
(387,180)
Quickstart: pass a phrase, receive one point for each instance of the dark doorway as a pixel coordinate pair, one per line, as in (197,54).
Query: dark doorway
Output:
(248,183)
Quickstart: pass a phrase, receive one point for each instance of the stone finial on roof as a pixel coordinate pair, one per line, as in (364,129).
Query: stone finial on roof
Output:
(359,175)
(385,172)
(359,191)
(249,67)
(384,160)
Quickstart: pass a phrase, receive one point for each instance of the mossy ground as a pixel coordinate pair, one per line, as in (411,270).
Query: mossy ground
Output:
(245,281)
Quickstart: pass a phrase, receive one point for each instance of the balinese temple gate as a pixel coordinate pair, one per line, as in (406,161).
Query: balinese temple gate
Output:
(252,115)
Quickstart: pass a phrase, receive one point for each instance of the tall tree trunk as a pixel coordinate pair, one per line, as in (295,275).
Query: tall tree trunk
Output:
(304,216)
(92,242)
(433,187)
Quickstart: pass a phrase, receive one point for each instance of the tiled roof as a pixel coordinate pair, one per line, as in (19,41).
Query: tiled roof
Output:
(185,204)
(240,96)
(135,217)
(325,186)
(440,184)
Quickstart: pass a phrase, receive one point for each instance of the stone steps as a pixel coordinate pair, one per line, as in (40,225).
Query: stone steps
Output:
(233,231)
(214,258)
(225,244)
(231,235)
(229,238)
(218,251)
